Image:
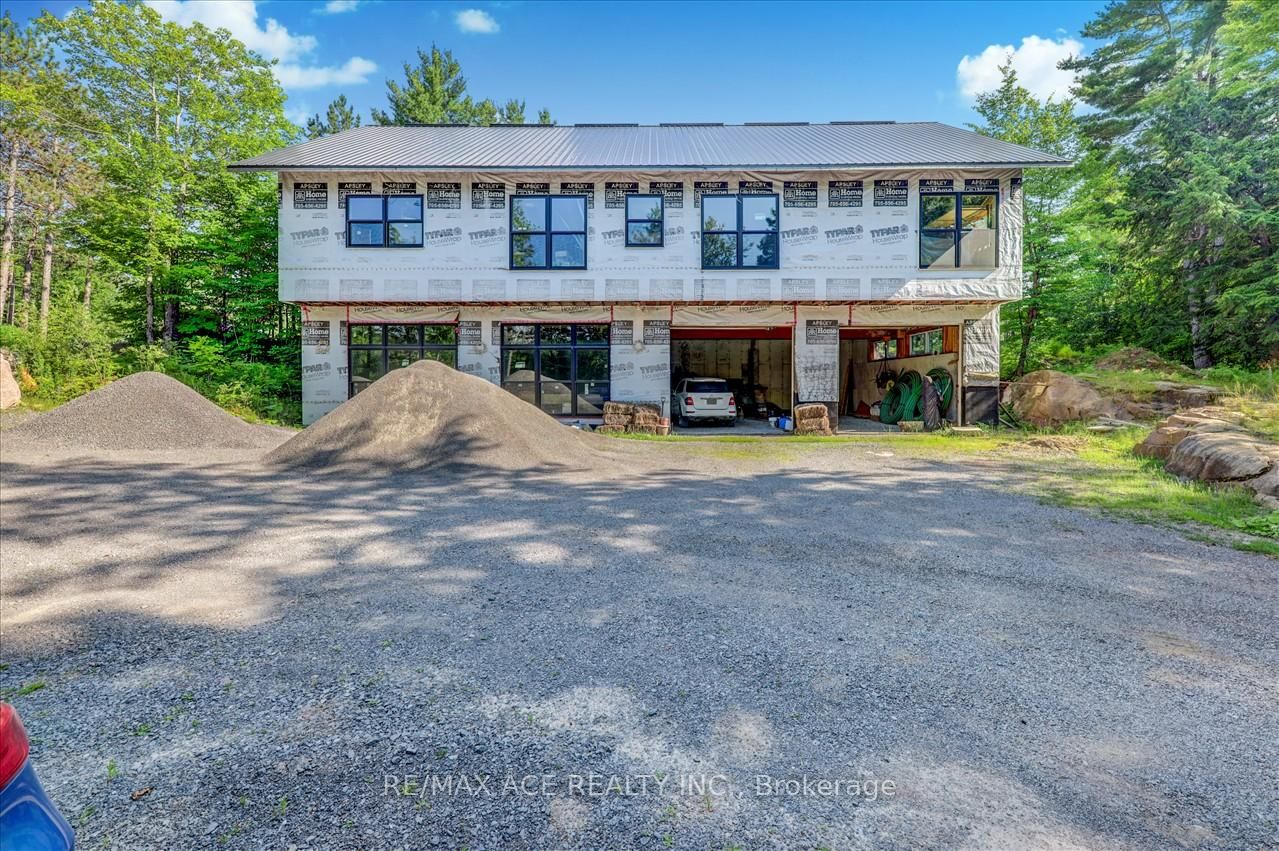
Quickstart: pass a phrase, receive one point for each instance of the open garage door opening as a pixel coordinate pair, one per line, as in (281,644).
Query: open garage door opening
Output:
(754,364)
(874,361)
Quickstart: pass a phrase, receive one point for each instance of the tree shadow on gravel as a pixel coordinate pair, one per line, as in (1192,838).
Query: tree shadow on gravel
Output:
(234,633)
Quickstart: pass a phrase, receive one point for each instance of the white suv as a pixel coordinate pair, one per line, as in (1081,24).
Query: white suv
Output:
(704,400)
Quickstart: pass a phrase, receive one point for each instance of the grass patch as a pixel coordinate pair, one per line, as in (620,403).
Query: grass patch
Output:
(1104,475)
(24,689)
(1258,545)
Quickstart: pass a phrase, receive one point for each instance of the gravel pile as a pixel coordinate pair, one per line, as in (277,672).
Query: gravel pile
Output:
(143,411)
(430,416)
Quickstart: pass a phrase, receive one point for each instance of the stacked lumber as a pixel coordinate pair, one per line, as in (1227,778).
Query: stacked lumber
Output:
(633,418)
(812,418)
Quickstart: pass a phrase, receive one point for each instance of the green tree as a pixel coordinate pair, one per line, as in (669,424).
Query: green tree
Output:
(1186,96)
(338,117)
(173,106)
(1013,114)
(434,92)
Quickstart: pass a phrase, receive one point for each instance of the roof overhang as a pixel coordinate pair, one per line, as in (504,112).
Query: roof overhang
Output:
(517,169)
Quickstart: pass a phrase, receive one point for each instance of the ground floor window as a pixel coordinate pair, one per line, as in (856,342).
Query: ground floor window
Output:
(375,350)
(562,369)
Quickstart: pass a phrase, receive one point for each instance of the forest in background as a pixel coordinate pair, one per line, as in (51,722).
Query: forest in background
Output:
(127,245)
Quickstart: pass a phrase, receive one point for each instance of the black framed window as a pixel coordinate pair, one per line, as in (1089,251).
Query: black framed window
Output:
(384,221)
(562,369)
(548,232)
(959,230)
(375,350)
(740,232)
(645,218)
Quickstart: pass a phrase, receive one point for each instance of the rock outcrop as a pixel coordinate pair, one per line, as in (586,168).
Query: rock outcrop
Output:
(1211,445)
(10,393)
(1047,397)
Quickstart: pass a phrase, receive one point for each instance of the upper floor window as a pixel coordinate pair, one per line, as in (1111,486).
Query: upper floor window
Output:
(384,221)
(644,221)
(740,232)
(548,232)
(959,230)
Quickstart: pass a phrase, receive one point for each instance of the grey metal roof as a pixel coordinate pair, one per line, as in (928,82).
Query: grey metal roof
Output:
(601,147)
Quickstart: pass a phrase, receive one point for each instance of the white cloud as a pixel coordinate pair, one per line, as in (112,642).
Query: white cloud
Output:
(337,7)
(272,39)
(476,21)
(1035,62)
(240,17)
(356,70)
(298,114)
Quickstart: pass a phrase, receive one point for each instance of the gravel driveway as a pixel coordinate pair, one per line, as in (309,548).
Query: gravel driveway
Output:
(544,660)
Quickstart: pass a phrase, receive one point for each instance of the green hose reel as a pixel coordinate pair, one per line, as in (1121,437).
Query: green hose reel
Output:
(902,401)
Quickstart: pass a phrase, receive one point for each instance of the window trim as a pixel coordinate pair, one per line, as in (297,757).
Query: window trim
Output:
(957,231)
(628,221)
(573,347)
(740,231)
(386,223)
(422,347)
(549,233)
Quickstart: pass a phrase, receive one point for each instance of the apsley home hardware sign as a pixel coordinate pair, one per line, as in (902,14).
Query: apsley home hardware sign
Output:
(444,196)
(488,196)
(891,193)
(310,196)
(615,193)
(399,187)
(570,187)
(844,193)
(361,187)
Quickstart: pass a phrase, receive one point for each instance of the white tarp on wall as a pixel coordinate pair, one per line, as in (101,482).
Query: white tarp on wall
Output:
(640,356)
(845,236)
(980,339)
(324,363)
(817,353)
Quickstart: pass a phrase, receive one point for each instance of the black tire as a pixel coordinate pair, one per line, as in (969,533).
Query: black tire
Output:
(682,422)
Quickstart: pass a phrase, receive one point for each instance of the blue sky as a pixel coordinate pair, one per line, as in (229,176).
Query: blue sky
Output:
(649,62)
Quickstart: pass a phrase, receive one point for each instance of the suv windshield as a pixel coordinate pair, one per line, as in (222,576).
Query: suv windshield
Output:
(707,387)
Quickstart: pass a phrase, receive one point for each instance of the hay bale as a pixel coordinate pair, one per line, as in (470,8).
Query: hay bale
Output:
(645,418)
(644,429)
(647,408)
(811,411)
(623,408)
(813,427)
(610,429)
(617,419)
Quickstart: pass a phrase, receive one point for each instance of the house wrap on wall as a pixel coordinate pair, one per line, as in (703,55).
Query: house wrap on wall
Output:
(573,265)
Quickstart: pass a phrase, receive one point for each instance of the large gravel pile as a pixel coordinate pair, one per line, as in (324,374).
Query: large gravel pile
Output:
(143,411)
(430,416)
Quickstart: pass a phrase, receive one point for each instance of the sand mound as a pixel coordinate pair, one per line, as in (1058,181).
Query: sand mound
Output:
(1135,357)
(429,415)
(143,411)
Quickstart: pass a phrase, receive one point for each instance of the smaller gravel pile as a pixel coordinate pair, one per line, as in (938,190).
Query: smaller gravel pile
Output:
(633,418)
(430,416)
(812,418)
(143,411)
